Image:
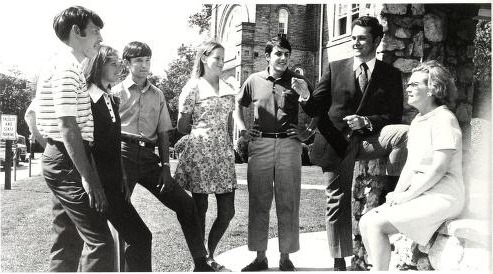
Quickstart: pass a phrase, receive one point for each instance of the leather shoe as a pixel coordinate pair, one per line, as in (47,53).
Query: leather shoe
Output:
(216,266)
(256,266)
(286,265)
(203,268)
(339,264)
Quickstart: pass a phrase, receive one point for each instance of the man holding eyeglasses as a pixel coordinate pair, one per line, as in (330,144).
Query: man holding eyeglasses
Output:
(274,162)
(358,100)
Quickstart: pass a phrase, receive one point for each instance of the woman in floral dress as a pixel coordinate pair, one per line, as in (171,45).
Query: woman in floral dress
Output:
(206,165)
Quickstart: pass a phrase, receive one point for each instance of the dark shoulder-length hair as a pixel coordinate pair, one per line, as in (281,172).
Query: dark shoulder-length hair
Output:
(103,56)
(204,49)
(440,82)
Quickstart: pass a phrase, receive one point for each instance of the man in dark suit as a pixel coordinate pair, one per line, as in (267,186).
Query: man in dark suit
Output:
(356,100)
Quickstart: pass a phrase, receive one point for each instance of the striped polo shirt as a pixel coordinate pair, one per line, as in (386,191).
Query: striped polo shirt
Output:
(61,92)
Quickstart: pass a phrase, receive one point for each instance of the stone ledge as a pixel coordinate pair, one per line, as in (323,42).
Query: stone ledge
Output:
(471,229)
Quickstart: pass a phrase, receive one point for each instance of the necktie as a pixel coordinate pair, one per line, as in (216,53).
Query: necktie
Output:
(363,77)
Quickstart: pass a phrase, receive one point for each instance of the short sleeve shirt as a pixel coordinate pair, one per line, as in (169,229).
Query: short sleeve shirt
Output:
(62,92)
(144,111)
(275,103)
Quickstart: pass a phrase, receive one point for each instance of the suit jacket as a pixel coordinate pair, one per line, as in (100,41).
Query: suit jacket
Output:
(338,95)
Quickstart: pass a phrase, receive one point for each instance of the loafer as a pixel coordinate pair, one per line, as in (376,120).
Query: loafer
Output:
(256,266)
(286,265)
(339,264)
(203,268)
(217,267)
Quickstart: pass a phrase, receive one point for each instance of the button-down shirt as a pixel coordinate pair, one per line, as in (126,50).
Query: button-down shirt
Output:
(144,111)
(370,64)
(275,102)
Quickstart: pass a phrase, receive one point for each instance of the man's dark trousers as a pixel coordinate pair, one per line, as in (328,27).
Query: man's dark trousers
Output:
(75,224)
(141,165)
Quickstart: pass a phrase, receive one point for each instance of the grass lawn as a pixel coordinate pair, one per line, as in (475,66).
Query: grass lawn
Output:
(26,224)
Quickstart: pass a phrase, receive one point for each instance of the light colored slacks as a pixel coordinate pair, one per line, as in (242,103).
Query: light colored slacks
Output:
(274,170)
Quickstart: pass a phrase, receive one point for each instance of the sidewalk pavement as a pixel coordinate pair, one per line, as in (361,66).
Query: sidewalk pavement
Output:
(303,186)
(312,256)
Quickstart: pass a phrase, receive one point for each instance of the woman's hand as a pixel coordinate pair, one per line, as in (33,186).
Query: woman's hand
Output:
(396,198)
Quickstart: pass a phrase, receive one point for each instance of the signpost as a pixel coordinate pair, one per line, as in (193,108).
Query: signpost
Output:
(8,132)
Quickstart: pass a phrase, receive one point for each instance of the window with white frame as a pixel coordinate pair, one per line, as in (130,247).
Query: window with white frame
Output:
(283,21)
(344,15)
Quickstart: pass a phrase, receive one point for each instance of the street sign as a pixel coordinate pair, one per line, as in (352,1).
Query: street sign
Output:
(8,129)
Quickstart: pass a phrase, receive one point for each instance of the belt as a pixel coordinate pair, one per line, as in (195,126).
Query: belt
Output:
(138,142)
(60,143)
(274,134)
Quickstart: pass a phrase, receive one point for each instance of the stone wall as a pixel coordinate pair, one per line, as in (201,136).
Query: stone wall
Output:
(415,33)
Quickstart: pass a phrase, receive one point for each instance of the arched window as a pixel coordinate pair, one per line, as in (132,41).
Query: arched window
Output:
(230,36)
(283,21)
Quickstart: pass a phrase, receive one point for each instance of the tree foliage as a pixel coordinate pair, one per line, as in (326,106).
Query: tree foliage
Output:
(16,93)
(176,76)
(201,19)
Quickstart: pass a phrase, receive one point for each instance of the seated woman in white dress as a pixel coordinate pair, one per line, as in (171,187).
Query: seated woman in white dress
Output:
(430,189)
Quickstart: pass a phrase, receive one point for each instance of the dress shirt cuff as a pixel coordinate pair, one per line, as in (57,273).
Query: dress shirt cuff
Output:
(368,124)
(301,99)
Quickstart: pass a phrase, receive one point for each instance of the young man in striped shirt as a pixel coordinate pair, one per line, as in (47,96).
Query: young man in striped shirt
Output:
(65,120)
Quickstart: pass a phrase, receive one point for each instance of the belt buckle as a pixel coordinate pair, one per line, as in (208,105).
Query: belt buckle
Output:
(276,135)
(142,143)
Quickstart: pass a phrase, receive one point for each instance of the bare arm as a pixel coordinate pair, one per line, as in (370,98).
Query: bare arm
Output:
(73,142)
(30,118)
(423,180)
(239,117)
(165,180)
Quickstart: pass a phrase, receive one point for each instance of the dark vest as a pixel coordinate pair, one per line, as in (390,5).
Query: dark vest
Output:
(106,147)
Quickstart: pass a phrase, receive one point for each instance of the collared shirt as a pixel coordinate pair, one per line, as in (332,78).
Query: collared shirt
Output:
(62,92)
(370,64)
(96,93)
(206,90)
(144,111)
(275,102)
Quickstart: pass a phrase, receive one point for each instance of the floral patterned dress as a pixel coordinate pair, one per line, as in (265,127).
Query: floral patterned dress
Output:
(207,162)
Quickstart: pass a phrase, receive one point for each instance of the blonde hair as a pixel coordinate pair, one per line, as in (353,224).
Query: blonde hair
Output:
(440,82)
(204,49)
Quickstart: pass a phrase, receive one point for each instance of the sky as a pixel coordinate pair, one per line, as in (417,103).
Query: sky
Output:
(28,40)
